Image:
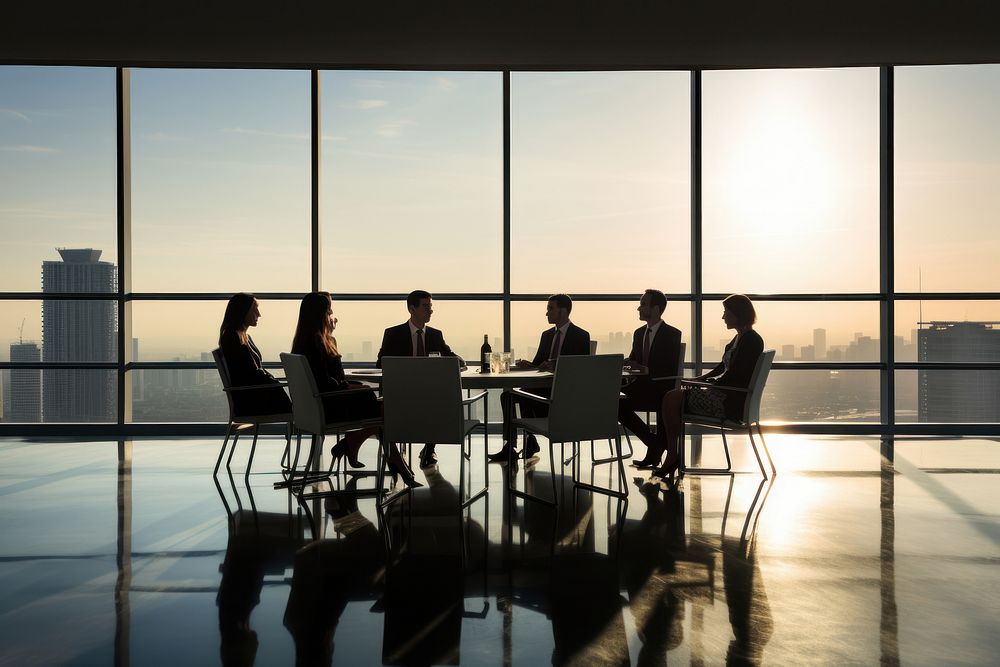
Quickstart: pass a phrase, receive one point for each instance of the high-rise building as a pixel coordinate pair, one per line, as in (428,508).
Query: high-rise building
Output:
(78,331)
(137,378)
(25,404)
(808,353)
(819,343)
(788,352)
(957,395)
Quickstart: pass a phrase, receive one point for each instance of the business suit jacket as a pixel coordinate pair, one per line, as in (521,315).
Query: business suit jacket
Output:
(577,342)
(664,355)
(396,342)
(245,369)
(747,351)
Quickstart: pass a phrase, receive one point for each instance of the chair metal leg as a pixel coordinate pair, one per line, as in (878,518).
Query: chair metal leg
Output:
(767,452)
(622,492)
(753,445)
(715,471)
(253,450)
(613,457)
(222,452)
(288,446)
(232,449)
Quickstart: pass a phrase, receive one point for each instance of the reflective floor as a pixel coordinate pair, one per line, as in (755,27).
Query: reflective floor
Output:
(130,553)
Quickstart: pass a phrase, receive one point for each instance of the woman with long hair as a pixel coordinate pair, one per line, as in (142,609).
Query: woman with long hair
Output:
(735,370)
(243,361)
(314,340)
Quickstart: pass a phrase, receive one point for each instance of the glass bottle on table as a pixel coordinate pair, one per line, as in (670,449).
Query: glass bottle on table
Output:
(484,355)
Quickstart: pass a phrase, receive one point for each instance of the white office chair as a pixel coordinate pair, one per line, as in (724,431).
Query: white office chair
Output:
(309,416)
(237,421)
(749,419)
(422,402)
(583,406)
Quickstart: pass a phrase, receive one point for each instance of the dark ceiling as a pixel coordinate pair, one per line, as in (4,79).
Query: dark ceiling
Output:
(518,35)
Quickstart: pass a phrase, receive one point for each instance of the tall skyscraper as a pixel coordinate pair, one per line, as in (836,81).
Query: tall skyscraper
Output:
(958,396)
(25,403)
(819,343)
(78,331)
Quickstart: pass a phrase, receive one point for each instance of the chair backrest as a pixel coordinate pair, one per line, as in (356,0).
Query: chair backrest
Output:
(751,409)
(307,407)
(422,400)
(585,394)
(680,365)
(220,365)
(593,347)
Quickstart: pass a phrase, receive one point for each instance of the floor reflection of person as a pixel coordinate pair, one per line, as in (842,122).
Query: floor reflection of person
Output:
(749,610)
(649,551)
(328,574)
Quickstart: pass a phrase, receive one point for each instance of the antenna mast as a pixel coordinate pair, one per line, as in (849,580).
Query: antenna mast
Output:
(20,332)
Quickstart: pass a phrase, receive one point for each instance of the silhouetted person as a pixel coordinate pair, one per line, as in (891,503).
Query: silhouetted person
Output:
(563,338)
(735,370)
(656,349)
(243,361)
(314,340)
(414,338)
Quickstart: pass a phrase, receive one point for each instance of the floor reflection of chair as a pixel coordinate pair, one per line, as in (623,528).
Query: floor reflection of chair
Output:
(429,576)
(259,544)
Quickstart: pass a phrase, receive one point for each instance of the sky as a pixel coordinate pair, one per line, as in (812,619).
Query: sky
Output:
(412,193)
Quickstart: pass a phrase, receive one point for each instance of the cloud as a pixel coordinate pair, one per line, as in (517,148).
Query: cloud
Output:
(371,104)
(14,113)
(266,133)
(28,148)
(334,137)
(393,129)
(371,83)
(446,84)
(163,136)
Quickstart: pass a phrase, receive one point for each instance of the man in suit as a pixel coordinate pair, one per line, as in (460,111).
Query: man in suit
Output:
(563,338)
(414,338)
(656,348)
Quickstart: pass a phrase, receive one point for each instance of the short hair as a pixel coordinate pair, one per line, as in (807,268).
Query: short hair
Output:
(657,298)
(562,301)
(740,306)
(414,297)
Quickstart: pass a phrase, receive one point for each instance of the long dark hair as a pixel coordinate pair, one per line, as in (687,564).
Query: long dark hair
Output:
(234,321)
(313,328)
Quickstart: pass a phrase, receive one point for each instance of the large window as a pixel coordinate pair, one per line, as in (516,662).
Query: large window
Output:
(413,168)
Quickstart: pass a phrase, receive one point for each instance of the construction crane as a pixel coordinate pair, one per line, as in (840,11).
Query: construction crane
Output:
(20,332)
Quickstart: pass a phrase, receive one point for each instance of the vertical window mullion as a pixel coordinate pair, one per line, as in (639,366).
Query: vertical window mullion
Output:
(696,195)
(123,161)
(887,383)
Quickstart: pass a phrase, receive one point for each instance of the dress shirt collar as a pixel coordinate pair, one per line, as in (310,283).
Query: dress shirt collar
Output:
(653,328)
(414,328)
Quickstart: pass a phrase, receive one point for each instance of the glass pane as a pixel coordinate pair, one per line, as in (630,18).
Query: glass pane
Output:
(947,165)
(791,180)
(412,181)
(57,169)
(795,395)
(610,323)
(804,331)
(61,330)
(177,395)
(189,330)
(74,395)
(600,179)
(220,180)
(948,396)
(951,331)
(360,325)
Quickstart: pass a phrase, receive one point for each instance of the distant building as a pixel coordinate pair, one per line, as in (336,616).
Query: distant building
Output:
(138,393)
(819,343)
(367,350)
(25,403)
(808,353)
(958,395)
(78,331)
(788,352)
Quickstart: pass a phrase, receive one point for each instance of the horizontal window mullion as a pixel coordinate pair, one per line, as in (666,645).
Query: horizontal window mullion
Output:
(100,365)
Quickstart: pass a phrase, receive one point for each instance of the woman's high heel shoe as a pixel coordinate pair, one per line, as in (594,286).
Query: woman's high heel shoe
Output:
(651,460)
(344,448)
(667,469)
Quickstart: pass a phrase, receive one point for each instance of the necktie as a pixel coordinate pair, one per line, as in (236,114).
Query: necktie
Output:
(555,345)
(645,348)
(421,351)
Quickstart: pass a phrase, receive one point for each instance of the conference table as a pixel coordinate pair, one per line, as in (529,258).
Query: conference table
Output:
(473,379)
